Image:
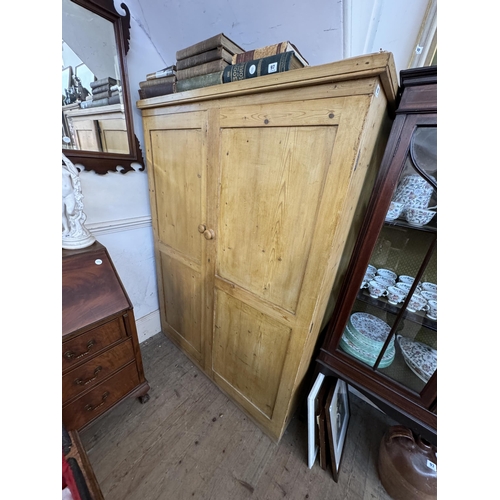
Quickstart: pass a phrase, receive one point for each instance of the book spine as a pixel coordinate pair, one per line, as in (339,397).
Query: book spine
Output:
(252,55)
(101,88)
(202,69)
(198,48)
(198,82)
(161,73)
(99,102)
(204,57)
(115,99)
(258,67)
(101,95)
(157,81)
(103,81)
(157,90)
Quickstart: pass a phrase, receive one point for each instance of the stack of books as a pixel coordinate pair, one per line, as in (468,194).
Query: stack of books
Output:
(202,64)
(105,91)
(161,82)
(275,58)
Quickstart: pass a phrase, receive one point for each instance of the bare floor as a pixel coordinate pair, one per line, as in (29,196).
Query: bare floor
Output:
(189,441)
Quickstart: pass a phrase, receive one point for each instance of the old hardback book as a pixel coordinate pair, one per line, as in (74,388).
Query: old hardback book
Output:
(157,81)
(101,95)
(261,67)
(200,81)
(157,90)
(269,50)
(213,42)
(169,70)
(95,103)
(202,69)
(204,57)
(101,88)
(103,81)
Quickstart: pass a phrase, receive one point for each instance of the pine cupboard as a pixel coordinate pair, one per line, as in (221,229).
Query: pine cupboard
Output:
(257,188)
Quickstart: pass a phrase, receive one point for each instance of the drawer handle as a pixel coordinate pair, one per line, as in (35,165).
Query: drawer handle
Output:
(80,381)
(93,408)
(72,355)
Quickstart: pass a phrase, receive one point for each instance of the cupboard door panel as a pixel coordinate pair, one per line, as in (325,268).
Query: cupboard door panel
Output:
(179,158)
(182,302)
(249,351)
(269,206)
(178,178)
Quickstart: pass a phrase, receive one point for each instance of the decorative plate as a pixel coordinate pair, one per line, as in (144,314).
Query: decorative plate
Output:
(369,326)
(367,345)
(368,358)
(420,358)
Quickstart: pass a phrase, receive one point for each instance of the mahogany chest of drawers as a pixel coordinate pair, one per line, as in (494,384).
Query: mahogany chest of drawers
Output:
(101,358)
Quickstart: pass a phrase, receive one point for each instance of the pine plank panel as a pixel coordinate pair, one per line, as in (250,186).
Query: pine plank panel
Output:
(269,206)
(149,452)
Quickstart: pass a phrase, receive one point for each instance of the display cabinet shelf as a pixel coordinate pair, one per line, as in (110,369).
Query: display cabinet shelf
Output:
(382,303)
(431,228)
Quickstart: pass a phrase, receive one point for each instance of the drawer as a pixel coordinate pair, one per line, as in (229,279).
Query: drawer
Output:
(94,403)
(95,370)
(79,349)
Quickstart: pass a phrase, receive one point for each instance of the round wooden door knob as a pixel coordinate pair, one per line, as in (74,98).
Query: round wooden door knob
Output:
(202,228)
(209,234)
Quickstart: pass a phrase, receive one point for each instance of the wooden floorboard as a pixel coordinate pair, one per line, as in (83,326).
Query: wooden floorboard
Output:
(189,441)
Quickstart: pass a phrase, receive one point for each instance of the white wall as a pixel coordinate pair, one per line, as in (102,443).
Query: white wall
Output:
(117,205)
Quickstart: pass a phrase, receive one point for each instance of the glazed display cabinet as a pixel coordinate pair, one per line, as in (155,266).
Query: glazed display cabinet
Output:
(382,336)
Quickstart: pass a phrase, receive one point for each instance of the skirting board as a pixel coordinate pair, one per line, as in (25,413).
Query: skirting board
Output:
(148,325)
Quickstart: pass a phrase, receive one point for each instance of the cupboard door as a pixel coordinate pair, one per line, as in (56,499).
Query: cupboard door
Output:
(177,148)
(285,171)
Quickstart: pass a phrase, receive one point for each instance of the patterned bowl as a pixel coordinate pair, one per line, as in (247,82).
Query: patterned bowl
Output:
(418,216)
(420,358)
(414,192)
(394,211)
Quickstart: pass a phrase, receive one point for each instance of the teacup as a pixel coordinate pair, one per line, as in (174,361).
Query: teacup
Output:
(429,287)
(417,303)
(371,269)
(418,216)
(376,289)
(432,309)
(403,286)
(387,273)
(395,295)
(369,275)
(429,295)
(406,279)
(384,281)
(394,211)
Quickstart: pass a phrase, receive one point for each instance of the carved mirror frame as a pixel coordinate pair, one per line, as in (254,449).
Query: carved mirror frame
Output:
(102,162)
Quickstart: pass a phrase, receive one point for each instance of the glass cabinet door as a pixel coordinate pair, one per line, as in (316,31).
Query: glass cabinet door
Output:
(392,326)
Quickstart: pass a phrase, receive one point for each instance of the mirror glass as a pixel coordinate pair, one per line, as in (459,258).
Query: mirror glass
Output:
(93,111)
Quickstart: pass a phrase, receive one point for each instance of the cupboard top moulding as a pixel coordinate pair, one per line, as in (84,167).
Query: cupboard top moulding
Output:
(257,189)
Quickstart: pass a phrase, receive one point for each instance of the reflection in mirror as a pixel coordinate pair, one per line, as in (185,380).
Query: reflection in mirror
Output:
(93,106)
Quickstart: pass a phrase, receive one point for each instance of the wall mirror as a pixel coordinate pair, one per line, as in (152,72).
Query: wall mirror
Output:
(97,127)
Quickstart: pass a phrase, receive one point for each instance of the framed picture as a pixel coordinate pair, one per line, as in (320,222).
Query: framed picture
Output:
(312,425)
(337,420)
